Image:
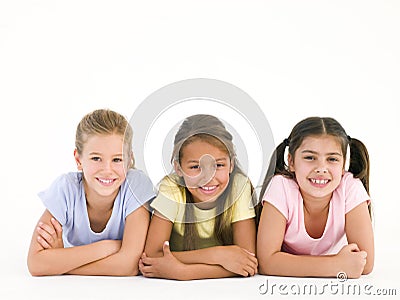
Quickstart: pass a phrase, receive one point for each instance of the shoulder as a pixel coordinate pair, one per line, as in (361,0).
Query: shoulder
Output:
(137,183)
(283,183)
(68,182)
(241,180)
(349,182)
(352,191)
(171,183)
(283,193)
(136,175)
(169,187)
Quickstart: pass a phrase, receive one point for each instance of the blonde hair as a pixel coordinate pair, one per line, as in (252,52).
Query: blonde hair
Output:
(104,122)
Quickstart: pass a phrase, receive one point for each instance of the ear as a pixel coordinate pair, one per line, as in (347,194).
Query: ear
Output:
(290,162)
(131,160)
(232,166)
(77,160)
(177,169)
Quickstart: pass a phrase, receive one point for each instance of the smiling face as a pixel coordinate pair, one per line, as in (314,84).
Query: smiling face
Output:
(205,169)
(103,165)
(318,165)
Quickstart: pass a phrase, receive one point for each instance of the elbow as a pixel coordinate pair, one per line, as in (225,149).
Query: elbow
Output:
(127,267)
(368,269)
(267,265)
(131,271)
(36,269)
(263,267)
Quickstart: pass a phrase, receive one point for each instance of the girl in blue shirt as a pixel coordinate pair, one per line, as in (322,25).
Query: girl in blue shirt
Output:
(96,220)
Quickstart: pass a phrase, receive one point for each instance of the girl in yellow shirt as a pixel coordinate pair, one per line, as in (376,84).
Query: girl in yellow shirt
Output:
(203,225)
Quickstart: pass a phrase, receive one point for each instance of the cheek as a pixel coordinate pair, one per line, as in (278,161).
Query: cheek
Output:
(88,167)
(189,181)
(223,178)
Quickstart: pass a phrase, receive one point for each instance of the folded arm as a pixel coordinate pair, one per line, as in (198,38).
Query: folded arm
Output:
(55,261)
(213,262)
(272,261)
(125,261)
(106,257)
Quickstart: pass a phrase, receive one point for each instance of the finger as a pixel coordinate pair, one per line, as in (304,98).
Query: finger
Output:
(253,264)
(353,247)
(250,270)
(363,254)
(57,227)
(254,260)
(49,228)
(147,260)
(244,273)
(44,235)
(166,249)
(148,274)
(43,243)
(247,251)
(142,266)
(146,269)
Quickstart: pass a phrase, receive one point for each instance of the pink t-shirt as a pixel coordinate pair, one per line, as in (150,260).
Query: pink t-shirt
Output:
(284,194)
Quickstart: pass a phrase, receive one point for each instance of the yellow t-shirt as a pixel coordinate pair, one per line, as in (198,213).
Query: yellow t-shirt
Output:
(171,202)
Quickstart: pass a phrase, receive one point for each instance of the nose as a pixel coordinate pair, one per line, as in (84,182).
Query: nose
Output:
(321,170)
(107,165)
(208,168)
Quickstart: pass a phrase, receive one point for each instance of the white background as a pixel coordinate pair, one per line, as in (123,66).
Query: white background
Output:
(62,59)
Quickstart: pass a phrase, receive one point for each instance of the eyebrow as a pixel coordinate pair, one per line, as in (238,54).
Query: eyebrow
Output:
(315,152)
(197,161)
(98,153)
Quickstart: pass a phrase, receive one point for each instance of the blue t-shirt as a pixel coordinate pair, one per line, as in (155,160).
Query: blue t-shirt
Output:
(65,200)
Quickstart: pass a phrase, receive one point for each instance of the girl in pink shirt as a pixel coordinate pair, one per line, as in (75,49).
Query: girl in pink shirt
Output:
(311,204)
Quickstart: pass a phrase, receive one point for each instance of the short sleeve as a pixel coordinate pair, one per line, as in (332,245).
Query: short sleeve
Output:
(354,191)
(276,194)
(168,199)
(138,190)
(242,208)
(58,197)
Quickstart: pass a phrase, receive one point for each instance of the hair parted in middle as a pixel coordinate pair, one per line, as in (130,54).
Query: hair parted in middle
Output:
(209,129)
(318,126)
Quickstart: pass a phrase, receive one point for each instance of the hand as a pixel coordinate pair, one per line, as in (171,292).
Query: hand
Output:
(238,260)
(351,260)
(50,236)
(167,266)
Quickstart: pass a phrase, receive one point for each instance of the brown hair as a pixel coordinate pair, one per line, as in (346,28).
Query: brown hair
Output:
(211,130)
(315,126)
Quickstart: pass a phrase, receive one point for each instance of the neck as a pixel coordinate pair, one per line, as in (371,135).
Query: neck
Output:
(98,202)
(316,205)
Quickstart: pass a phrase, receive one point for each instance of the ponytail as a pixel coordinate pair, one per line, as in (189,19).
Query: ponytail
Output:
(359,163)
(277,166)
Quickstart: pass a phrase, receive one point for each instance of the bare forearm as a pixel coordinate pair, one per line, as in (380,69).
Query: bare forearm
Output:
(284,264)
(199,256)
(61,260)
(203,271)
(118,264)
